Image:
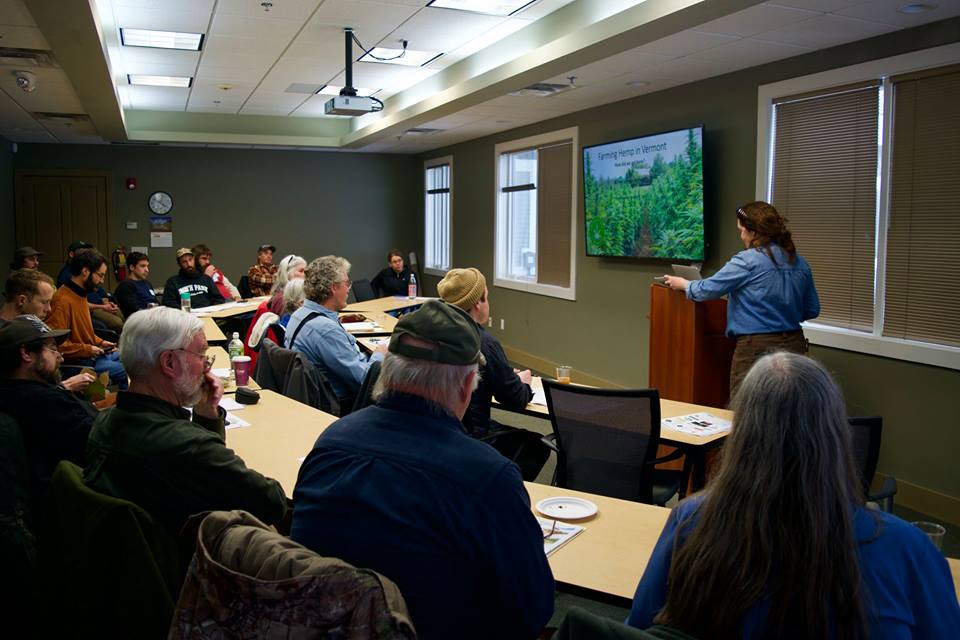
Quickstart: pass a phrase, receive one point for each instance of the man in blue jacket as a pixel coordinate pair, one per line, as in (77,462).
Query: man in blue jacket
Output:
(398,487)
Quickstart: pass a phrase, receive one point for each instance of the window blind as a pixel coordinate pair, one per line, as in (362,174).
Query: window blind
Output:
(825,182)
(554,184)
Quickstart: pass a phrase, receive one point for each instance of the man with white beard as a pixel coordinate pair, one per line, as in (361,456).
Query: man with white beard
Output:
(148,449)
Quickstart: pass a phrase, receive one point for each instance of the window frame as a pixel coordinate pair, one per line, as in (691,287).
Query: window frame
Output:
(427,165)
(541,140)
(847,339)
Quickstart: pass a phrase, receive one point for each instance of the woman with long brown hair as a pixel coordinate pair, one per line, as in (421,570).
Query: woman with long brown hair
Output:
(780,545)
(769,287)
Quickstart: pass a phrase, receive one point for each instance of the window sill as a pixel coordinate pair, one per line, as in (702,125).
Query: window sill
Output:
(430,271)
(909,350)
(565,293)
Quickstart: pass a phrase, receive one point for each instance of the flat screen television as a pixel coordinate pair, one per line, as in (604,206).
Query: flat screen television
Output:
(643,197)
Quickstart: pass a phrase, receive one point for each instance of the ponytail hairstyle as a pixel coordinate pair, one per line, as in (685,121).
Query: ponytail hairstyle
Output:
(763,219)
(775,528)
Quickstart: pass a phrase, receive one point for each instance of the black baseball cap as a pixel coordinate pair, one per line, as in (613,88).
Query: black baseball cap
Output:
(266,247)
(76,245)
(26,252)
(26,329)
(454,335)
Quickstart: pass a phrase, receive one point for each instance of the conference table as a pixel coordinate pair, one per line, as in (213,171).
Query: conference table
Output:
(382,323)
(211,331)
(388,304)
(222,361)
(230,309)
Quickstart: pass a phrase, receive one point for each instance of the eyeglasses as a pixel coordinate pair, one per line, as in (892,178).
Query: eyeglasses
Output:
(53,350)
(208,360)
(349,283)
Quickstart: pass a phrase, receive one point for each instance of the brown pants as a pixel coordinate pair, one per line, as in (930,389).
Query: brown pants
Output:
(751,348)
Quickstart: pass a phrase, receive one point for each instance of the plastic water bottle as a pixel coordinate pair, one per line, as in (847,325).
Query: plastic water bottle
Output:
(235,348)
(412,287)
(185,301)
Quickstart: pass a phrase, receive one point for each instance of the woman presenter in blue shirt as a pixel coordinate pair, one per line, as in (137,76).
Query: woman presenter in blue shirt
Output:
(769,287)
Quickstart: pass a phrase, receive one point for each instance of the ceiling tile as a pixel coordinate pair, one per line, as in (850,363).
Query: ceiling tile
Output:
(158,98)
(260,27)
(826,6)
(886,11)
(168,5)
(14,12)
(298,10)
(690,68)
(685,43)
(542,8)
(371,21)
(826,31)
(490,37)
(757,19)
(441,30)
(53,92)
(234,74)
(22,37)
(159,56)
(750,52)
(162,19)
(185,69)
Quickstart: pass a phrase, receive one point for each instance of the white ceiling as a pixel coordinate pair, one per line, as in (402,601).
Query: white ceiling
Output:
(251,57)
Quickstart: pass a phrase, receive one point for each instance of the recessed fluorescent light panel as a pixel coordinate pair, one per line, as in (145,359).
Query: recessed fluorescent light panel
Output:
(488,7)
(334,90)
(159,81)
(410,58)
(161,39)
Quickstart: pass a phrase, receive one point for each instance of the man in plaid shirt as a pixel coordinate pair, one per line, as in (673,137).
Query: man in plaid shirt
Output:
(263,274)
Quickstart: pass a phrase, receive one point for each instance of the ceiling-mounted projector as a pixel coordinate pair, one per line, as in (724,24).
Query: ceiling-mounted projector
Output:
(348,106)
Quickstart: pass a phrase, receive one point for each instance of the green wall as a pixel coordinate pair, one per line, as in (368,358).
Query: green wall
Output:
(612,304)
(309,203)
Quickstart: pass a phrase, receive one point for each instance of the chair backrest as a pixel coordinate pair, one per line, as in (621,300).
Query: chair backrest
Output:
(279,331)
(363,290)
(365,394)
(865,434)
(605,438)
(291,374)
(246,581)
(243,286)
(111,570)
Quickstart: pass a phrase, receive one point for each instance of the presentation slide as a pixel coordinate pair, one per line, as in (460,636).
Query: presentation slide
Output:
(643,197)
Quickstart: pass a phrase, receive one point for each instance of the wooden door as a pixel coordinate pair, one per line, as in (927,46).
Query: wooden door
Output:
(55,208)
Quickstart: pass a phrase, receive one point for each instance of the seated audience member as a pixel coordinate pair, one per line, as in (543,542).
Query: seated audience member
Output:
(393,279)
(293,298)
(75,246)
(467,289)
(28,293)
(780,545)
(399,488)
(315,330)
(262,275)
(203,292)
(25,258)
(291,268)
(150,451)
(136,293)
(203,255)
(106,314)
(70,311)
(55,423)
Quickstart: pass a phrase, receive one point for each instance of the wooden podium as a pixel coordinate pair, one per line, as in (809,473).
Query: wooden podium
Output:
(689,354)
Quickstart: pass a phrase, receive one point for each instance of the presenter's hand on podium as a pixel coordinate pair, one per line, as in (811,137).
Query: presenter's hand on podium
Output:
(676,282)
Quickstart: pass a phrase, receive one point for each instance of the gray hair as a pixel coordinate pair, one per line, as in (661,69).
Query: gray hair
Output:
(293,295)
(439,383)
(148,333)
(322,274)
(288,264)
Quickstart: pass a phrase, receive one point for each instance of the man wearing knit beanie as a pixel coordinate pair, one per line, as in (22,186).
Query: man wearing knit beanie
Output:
(467,289)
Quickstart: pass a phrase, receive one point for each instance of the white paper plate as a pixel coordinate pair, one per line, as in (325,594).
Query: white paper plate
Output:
(566,508)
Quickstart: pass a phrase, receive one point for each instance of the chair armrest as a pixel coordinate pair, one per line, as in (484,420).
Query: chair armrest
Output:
(551,441)
(675,455)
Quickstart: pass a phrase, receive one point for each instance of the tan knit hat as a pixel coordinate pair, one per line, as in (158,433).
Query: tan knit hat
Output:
(462,287)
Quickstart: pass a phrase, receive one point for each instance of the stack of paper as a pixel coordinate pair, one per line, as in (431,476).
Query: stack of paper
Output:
(697,424)
(557,533)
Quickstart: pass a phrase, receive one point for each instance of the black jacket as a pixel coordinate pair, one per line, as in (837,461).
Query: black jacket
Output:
(203,292)
(134,295)
(497,380)
(389,283)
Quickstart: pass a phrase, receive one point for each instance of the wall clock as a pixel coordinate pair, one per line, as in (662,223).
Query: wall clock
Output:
(160,202)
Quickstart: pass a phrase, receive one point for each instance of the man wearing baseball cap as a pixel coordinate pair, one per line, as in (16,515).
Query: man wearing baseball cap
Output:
(262,275)
(55,423)
(25,258)
(75,246)
(201,289)
(398,487)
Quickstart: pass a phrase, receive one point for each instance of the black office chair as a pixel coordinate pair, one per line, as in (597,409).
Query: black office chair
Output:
(243,286)
(365,394)
(606,442)
(363,291)
(865,444)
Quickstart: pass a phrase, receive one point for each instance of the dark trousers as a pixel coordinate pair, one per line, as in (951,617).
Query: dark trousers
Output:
(751,348)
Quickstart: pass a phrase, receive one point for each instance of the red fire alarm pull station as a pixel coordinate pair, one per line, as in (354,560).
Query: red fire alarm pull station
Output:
(131,183)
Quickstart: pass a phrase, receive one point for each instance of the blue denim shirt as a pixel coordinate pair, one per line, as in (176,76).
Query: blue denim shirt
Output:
(763,296)
(330,348)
